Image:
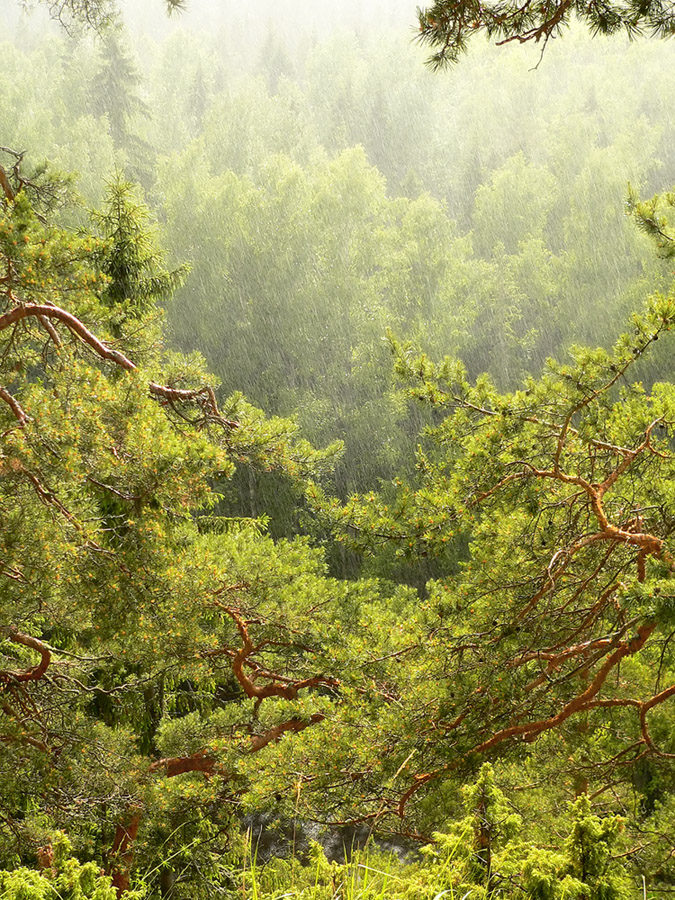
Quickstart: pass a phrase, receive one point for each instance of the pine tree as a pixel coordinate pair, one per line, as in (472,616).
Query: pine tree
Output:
(558,496)
(447,26)
(120,591)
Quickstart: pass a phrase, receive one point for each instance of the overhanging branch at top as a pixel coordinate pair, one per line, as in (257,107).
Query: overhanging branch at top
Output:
(447,25)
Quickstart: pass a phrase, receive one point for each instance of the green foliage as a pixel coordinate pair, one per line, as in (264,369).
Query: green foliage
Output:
(203,663)
(447,27)
(291,310)
(655,219)
(454,864)
(533,489)
(106,567)
(586,867)
(589,848)
(62,877)
(129,258)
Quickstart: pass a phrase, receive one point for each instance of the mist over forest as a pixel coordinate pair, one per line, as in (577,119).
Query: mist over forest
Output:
(337,408)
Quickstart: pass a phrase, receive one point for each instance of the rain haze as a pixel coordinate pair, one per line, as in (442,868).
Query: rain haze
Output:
(335,443)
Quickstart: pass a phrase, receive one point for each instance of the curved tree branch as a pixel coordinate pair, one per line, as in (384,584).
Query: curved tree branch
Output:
(26,640)
(276,688)
(179,765)
(258,741)
(44,312)
(121,852)
(7,188)
(15,406)
(530,731)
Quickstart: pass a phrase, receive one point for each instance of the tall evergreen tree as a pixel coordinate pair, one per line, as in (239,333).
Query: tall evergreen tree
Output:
(129,258)
(115,95)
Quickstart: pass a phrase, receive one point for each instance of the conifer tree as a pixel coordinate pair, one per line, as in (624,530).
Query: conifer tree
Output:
(120,593)
(447,26)
(129,259)
(115,94)
(115,90)
(559,495)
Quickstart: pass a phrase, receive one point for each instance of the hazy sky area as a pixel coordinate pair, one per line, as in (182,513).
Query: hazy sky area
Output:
(293,19)
(290,16)
(245,26)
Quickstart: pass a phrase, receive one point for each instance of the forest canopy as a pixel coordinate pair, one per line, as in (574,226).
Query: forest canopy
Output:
(336,460)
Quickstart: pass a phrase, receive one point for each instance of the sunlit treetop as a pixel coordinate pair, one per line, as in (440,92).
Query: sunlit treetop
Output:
(447,25)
